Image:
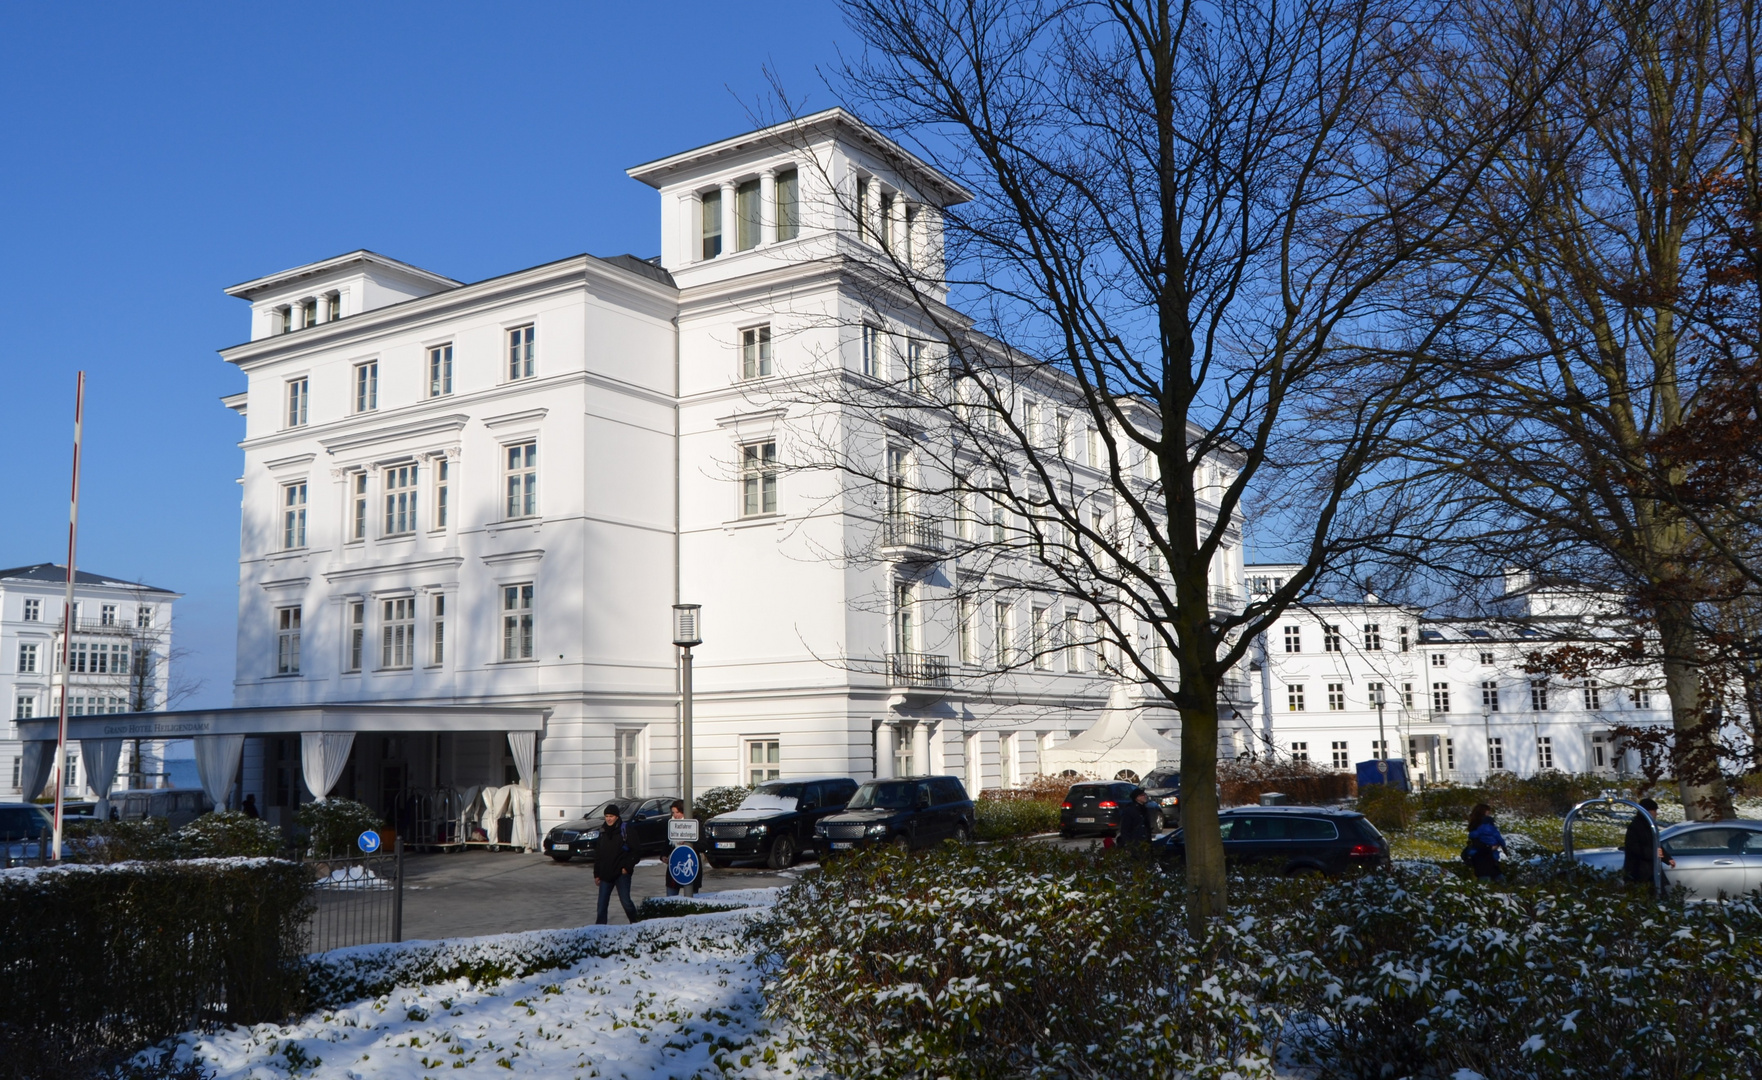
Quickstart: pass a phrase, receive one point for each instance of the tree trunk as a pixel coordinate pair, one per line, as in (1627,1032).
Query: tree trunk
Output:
(1207,882)
(1696,760)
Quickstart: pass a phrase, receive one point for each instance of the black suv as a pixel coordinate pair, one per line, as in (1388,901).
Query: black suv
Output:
(775,822)
(1093,809)
(1292,840)
(910,812)
(646,816)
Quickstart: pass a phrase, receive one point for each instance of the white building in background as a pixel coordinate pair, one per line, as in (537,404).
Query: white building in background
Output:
(467,510)
(1458,701)
(121,662)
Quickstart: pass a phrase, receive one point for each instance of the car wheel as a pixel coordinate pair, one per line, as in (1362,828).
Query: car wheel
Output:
(1155,824)
(721,864)
(962,834)
(561,858)
(782,854)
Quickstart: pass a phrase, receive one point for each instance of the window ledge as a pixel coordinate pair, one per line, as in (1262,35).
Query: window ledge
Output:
(755,520)
(514,525)
(517,660)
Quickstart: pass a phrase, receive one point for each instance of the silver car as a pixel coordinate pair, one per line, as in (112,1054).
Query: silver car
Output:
(1713,858)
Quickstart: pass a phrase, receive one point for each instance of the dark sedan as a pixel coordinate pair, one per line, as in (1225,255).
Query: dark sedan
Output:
(1292,840)
(776,820)
(911,812)
(647,816)
(1093,809)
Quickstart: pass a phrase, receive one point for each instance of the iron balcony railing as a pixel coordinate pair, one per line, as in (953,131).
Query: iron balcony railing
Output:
(911,533)
(917,669)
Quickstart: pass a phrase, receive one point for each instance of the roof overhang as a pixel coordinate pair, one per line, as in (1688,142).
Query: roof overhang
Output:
(250,289)
(288,720)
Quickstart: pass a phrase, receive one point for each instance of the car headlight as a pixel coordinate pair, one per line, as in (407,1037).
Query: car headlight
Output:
(821,830)
(758,830)
(877,830)
(595,835)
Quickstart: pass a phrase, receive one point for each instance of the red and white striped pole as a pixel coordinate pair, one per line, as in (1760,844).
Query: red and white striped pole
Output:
(73,534)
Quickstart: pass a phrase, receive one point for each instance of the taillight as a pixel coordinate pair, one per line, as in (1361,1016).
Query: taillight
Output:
(1108,804)
(1066,806)
(1366,851)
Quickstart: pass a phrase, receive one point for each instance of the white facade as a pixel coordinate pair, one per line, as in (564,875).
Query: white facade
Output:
(610,442)
(1458,703)
(121,661)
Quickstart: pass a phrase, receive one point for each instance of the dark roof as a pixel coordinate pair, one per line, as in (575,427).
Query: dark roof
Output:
(53,572)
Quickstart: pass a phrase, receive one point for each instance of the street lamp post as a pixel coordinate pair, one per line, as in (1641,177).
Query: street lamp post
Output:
(687,632)
(1376,698)
(1487,722)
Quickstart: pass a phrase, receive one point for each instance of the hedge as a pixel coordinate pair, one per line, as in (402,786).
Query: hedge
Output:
(101,960)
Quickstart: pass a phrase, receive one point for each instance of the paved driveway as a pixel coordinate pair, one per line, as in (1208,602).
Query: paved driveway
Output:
(486,892)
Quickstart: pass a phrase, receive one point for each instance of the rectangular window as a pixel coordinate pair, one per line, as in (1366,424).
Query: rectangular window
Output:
(1042,626)
(27,659)
(1342,755)
(1407,695)
(1003,626)
(437,630)
(1299,751)
(1593,695)
(871,351)
(397,631)
(297,395)
(1440,660)
(788,205)
(1486,658)
(1406,642)
(144,617)
(628,783)
(997,526)
(865,231)
(293,516)
(914,366)
(355,617)
(905,630)
(1294,698)
(1545,752)
(521,475)
(755,352)
(1490,696)
(517,622)
(440,370)
(758,479)
(1495,754)
(1449,755)
(367,386)
(400,500)
(746,216)
(1440,697)
(1373,637)
(521,342)
(287,641)
(1330,638)
(764,760)
(1642,696)
(1293,639)
(884,218)
(33,611)
(107,615)
(1379,750)
(1538,695)
(1074,643)
(963,629)
(442,479)
(908,231)
(1336,697)
(1373,692)
(358,507)
(710,224)
(308,313)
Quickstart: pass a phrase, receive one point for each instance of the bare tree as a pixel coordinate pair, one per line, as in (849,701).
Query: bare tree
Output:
(1185,247)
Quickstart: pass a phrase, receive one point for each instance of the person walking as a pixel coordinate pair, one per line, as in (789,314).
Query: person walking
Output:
(613,861)
(1135,821)
(1638,849)
(678,815)
(1485,844)
(250,807)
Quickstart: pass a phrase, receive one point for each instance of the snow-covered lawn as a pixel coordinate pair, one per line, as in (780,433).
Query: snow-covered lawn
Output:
(676,998)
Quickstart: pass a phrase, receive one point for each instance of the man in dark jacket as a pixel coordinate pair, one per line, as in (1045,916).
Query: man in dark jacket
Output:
(1638,850)
(613,860)
(1135,820)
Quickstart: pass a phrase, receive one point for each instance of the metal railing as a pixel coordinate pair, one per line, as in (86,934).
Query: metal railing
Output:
(917,669)
(912,533)
(359,900)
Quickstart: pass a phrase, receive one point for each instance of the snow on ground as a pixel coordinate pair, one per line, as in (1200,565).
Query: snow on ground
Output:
(689,1007)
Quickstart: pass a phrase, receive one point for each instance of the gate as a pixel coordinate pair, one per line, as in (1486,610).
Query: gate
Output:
(360,899)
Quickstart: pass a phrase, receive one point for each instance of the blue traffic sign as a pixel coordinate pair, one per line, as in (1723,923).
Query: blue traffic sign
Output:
(368,841)
(683,866)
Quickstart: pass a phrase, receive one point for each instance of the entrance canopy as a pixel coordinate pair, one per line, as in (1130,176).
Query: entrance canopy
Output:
(1121,740)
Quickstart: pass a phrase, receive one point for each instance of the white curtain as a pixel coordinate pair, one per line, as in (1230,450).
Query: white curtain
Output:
(100,757)
(217,763)
(523,745)
(39,760)
(322,757)
(520,805)
(495,807)
(470,810)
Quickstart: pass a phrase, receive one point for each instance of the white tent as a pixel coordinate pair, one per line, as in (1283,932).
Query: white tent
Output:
(1121,740)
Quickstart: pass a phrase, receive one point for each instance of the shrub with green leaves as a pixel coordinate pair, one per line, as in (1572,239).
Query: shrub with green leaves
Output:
(1388,807)
(331,826)
(718,800)
(998,819)
(228,834)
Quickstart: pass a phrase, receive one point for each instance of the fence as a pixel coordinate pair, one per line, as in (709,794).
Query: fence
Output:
(359,900)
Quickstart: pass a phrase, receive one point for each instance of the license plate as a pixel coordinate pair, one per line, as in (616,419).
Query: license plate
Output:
(1085,821)
(725,843)
(840,845)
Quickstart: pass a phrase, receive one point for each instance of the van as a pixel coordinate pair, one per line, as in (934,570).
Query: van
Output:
(178,806)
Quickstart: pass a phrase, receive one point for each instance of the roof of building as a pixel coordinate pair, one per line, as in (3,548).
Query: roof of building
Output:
(648,268)
(249,289)
(54,573)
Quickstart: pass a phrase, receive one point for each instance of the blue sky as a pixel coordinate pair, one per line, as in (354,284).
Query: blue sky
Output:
(155,154)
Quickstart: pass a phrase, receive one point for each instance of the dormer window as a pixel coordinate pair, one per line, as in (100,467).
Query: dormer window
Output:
(746,216)
(711,205)
(788,205)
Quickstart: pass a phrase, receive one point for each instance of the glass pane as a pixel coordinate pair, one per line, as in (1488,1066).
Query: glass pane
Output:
(788,210)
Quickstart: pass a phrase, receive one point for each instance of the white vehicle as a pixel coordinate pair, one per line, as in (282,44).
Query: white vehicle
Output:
(1714,859)
(178,806)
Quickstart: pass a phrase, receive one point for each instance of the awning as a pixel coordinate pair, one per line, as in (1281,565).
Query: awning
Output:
(287,720)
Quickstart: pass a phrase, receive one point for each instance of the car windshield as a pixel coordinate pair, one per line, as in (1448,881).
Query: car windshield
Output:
(597,816)
(884,795)
(773,797)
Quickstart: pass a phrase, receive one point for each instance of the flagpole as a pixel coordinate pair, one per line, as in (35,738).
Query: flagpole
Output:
(73,533)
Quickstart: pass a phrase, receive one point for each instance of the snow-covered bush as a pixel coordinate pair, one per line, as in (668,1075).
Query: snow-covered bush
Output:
(718,800)
(331,826)
(223,834)
(228,834)
(1016,960)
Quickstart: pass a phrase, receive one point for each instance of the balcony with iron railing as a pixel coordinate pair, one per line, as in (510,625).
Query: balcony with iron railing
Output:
(917,669)
(911,536)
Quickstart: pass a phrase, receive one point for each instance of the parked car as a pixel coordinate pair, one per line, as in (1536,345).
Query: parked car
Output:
(647,816)
(775,822)
(1093,809)
(1292,840)
(1165,788)
(912,812)
(1713,858)
(24,828)
(178,806)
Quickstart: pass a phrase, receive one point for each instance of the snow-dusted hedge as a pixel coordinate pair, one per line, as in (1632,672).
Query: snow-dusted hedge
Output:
(99,960)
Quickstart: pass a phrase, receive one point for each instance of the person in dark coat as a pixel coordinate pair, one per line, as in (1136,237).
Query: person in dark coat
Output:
(250,807)
(613,861)
(1135,820)
(1637,851)
(678,812)
(1485,843)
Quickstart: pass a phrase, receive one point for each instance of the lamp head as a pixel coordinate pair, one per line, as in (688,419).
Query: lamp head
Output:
(687,625)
